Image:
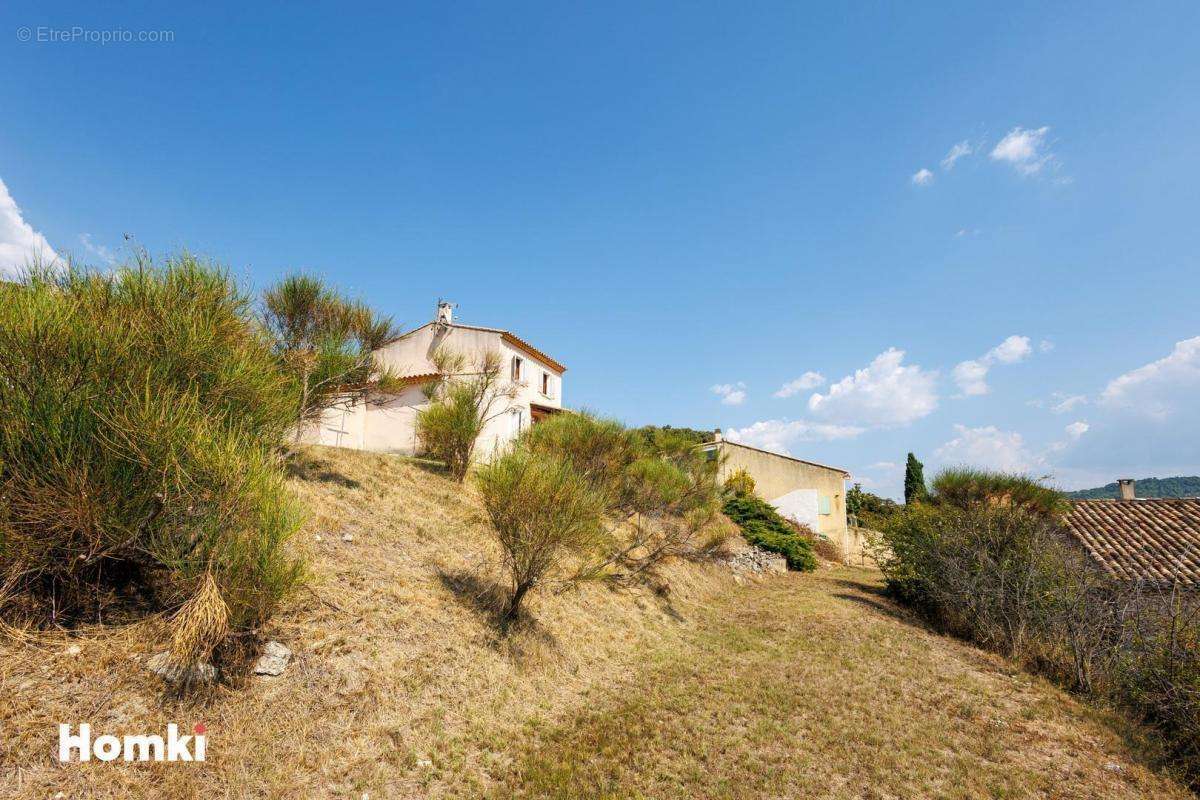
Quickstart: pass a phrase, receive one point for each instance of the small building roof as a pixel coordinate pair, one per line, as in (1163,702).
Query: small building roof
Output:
(1152,539)
(777,455)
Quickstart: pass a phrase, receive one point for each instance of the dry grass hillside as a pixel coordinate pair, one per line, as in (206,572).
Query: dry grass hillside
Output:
(790,686)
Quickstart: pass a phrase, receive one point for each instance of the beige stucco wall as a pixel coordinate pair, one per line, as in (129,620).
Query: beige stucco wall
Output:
(777,477)
(388,424)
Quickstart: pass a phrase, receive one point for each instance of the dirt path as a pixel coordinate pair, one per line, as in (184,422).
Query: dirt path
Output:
(817,687)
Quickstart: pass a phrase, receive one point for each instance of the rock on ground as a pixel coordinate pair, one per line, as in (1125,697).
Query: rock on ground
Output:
(201,672)
(274,659)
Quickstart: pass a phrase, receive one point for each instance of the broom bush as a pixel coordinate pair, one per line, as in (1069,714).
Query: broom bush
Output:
(140,415)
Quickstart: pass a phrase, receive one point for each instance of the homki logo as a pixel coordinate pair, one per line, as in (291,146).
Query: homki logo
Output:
(133,748)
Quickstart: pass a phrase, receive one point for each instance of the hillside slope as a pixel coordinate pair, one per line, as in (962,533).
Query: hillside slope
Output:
(798,685)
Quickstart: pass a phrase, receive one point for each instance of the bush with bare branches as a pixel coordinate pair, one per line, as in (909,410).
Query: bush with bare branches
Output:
(467,396)
(543,512)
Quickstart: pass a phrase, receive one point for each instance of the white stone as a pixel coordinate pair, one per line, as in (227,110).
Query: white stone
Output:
(274,659)
(347,537)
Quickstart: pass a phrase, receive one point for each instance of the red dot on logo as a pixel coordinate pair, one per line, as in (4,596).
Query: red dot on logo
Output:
(200,729)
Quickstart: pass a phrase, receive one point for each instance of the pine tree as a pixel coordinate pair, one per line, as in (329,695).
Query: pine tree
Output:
(914,480)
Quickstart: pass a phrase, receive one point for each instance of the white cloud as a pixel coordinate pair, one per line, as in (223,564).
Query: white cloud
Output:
(965,232)
(922,177)
(1045,345)
(1065,403)
(19,242)
(778,435)
(98,250)
(1077,429)
(1024,149)
(956,152)
(971,378)
(971,375)
(1146,421)
(809,380)
(989,448)
(731,394)
(1160,388)
(1011,350)
(885,392)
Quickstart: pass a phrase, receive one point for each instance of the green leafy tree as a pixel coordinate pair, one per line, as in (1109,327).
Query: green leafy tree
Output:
(869,509)
(914,481)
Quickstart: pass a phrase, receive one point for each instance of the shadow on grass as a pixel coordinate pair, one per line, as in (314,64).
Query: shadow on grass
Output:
(489,600)
(876,589)
(316,470)
(429,465)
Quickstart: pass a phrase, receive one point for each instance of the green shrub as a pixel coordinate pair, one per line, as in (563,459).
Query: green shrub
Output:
(740,484)
(449,428)
(658,497)
(797,551)
(139,416)
(1157,670)
(600,450)
(965,487)
(762,525)
(465,398)
(543,512)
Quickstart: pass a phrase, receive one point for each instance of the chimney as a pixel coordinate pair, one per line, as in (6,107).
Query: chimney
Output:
(717,437)
(1125,489)
(445,313)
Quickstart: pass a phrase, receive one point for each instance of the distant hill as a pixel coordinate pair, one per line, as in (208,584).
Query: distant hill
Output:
(1146,487)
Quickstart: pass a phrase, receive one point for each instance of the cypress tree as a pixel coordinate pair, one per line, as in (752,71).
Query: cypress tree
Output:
(914,480)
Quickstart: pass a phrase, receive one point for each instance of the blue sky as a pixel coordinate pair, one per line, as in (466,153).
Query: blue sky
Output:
(690,206)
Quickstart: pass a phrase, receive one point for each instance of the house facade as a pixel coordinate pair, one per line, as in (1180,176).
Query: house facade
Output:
(804,491)
(387,423)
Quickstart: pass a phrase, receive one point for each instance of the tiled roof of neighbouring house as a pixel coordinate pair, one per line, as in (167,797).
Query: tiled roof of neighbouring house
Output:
(1154,539)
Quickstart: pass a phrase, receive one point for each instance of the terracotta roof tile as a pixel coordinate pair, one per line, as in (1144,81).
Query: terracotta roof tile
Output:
(1153,539)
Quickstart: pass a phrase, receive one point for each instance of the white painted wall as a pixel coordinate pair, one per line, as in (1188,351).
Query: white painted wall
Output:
(801,506)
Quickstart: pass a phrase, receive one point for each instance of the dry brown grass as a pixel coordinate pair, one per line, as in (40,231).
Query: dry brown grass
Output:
(397,660)
(793,686)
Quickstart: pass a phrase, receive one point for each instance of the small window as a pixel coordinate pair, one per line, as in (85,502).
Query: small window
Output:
(825,505)
(546,383)
(517,364)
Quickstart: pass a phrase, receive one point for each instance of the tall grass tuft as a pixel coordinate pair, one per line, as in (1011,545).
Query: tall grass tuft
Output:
(140,413)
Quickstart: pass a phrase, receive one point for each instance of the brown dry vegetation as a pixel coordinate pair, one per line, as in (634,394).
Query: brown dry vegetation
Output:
(793,686)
